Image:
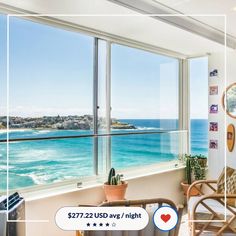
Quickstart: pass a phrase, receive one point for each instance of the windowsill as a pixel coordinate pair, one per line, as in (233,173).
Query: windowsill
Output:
(40,192)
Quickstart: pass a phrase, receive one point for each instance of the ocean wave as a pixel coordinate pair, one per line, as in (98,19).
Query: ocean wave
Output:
(34,154)
(45,131)
(4,167)
(43,179)
(148,128)
(68,176)
(138,128)
(4,131)
(32,163)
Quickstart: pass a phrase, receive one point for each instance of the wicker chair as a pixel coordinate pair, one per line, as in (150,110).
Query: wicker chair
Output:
(206,212)
(150,205)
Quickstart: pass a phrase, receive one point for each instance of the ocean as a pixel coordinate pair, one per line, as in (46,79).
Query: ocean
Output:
(49,161)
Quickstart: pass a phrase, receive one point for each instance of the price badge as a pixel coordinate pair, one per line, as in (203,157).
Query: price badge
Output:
(102,218)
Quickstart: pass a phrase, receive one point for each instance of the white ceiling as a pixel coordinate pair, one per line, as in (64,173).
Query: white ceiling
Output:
(225,7)
(139,28)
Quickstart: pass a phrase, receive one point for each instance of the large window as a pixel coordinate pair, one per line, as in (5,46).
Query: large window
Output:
(79,105)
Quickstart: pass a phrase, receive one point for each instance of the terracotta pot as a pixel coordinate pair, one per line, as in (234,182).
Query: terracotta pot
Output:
(194,191)
(115,192)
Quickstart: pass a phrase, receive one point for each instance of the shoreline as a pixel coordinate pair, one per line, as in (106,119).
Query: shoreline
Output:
(22,129)
(50,129)
(12,130)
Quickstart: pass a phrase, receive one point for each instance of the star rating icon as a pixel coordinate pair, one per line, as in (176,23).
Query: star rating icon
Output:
(100,224)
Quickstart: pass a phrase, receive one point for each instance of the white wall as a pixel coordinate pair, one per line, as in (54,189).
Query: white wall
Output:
(216,157)
(164,185)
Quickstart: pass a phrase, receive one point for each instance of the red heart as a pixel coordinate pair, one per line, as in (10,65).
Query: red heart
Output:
(166,217)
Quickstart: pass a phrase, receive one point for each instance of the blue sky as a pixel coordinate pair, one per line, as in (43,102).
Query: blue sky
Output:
(51,73)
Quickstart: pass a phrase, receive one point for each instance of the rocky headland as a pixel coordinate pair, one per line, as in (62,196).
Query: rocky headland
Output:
(84,122)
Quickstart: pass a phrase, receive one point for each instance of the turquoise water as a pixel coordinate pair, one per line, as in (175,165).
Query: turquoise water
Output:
(49,161)
(199,137)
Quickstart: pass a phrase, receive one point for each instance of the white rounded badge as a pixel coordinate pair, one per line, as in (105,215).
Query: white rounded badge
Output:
(165,218)
(102,218)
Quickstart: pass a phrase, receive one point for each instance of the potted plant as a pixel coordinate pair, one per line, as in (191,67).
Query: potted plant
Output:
(115,187)
(199,164)
(202,160)
(194,170)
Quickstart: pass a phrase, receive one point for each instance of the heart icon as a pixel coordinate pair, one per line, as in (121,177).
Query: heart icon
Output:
(166,217)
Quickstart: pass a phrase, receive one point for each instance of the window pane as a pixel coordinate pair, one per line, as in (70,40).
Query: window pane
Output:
(144,90)
(51,94)
(199,106)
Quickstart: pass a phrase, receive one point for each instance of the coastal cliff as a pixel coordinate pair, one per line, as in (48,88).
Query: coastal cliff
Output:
(84,122)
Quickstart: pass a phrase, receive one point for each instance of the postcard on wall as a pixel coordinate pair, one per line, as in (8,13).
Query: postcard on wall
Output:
(213,144)
(214,108)
(213,126)
(213,90)
(213,73)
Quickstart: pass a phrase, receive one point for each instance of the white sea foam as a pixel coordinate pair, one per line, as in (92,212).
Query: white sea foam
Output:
(138,128)
(148,128)
(36,155)
(4,167)
(43,179)
(2,131)
(68,176)
(42,131)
